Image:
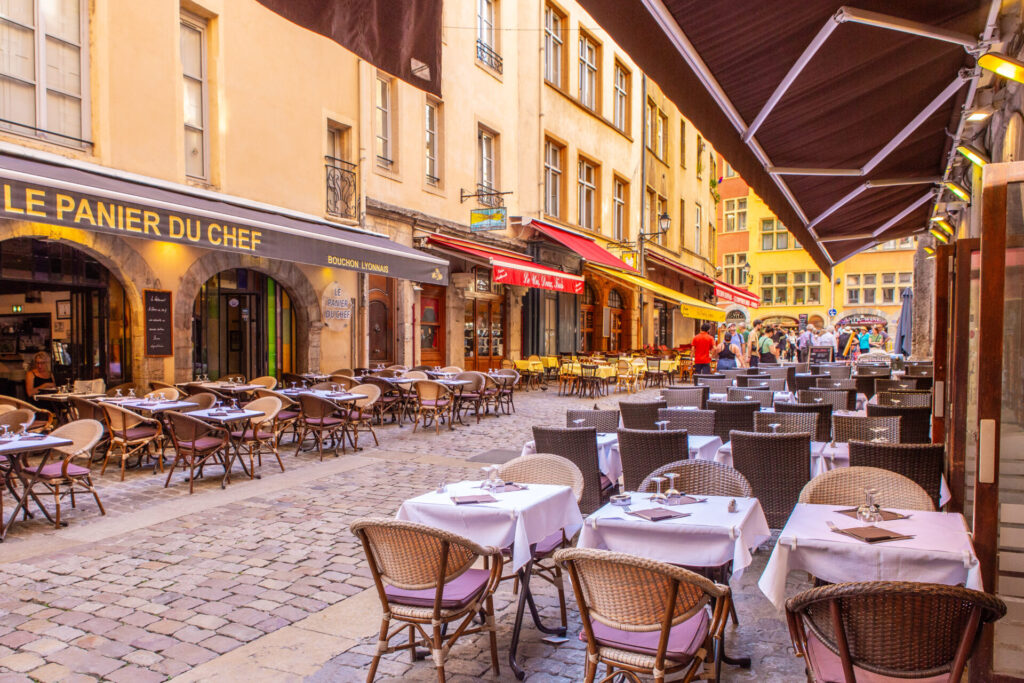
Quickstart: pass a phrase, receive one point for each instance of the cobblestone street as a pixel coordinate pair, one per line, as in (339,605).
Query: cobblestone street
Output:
(263,580)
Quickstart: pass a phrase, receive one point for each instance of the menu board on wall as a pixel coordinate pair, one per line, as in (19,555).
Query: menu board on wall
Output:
(159,337)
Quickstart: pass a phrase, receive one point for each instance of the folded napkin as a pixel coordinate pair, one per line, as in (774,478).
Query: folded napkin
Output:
(474,498)
(509,487)
(236,410)
(872,534)
(683,500)
(887,515)
(216,413)
(657,514)
(33,437)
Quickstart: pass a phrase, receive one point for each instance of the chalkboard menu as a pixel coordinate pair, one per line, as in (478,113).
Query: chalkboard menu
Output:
(821,354)
(159,339)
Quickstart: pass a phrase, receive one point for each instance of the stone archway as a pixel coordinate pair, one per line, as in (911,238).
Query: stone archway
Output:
(126,264)
(305,305)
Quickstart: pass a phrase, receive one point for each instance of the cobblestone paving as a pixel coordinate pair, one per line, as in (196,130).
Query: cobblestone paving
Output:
(158,600)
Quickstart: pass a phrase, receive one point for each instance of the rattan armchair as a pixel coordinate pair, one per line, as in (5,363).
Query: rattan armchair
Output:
(802,382)
(426,581)
(845,486)
(764,397)
(286,418)
(16,417)
(360,416)
(777,467)
(505,382)
(847,428)
(43,418)
(319,417)
(433,402)
(730,415)
(579,446)
(204,400)
(625,376)
(889,630)
(640,414)
(643,451)
(84,435)
(695,422)
(643,617)
(345,382)
(762,383)
(836,383)
(838,371)
(786,423)
(195,444)
(822,410)
(266,381)
(606,421)
(702,478)
(290,380)
(686,396)
(258,434)
(168,393)
(922,463)
(131,434)
(915,423)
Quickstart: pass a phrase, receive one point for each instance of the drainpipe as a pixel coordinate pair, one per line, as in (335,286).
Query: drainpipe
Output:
(643,198)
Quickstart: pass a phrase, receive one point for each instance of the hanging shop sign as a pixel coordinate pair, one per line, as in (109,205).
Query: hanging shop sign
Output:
(864,319)
(520,274)
(484,220)
(336,307)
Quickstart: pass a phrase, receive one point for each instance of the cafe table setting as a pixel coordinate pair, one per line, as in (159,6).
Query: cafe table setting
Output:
(14,449)
(839,544)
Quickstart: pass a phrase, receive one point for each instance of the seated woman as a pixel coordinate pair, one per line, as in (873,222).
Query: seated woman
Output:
(38,375)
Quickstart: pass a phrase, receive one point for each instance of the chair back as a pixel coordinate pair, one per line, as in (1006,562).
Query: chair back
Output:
(155,385)
(290,378)
(588,370)
(837,398)
(5,408)
(702,478)
(348,372)
(765,397)
(730,415)
(323,386)
(579,446)
(653,365)
(397,368)
(238,379)
(346,382)
(13,419)
(761,383)
(803,382)
(751,380)
(686,396)
(372,392)
(314,407)
(265,381)
(839,371)
(168,393)
(429,390)
(270,406)
(873,371)
(205,400)
(387,373)
(920,370)
(823,411)
(776,373)
(477,381)
(643,451)
(921,462)
(84,409)
(909,399)
(186,431)
(731,373)
(124,388)
(836,384)
(895,630)
(695,422)
(119,419)
(846,428)
(786,423)
(715,385)
(451,368)
(640,414)
(904,384)
(777,467)
(84,435)
(605,421)
(845,486)
(416,374)
(915,423)
(544,468)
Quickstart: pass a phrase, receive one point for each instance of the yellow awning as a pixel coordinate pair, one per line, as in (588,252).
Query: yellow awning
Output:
(688,305)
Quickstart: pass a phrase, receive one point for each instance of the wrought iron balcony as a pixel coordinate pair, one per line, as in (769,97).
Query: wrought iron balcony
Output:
(488,56)
(342,188)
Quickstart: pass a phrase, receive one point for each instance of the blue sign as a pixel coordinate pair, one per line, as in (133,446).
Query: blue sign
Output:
(832,312)
(482,220)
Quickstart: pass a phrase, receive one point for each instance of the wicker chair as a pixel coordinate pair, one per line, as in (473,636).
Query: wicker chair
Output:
(131,434)
(839,399)
(472,395)
(16,417)
(632,608)
(777,467)
(836,383)
(803,382)
(839,371)
(867,376)
(915,423)
(287,417)
(163,393)
(84,409)
(203,400)
(922,463)
(505,383)
(643,451)
(402,368)
(702,478)
(762,383)
(259,435)
(695,422)
(845,486)
(846,428)
(393,399)
(318,417)
(290,379)
(640,414)
(426,580)
(909,399)
(124,388)
(751,380)
(579,446)
(764,397)
(775,372)
(786,423)
(905,384)
(84,435)
(345,382)
(433,402)
(195,444)
(889,630)
(625,377)
(417,374)
(43,418)
(606,421)
(686,396)
(822,410)
(348,372)
(730,415)
(360,417)
(588,383)
(715,385)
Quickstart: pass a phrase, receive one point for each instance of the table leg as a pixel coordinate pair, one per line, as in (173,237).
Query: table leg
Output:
(524,582)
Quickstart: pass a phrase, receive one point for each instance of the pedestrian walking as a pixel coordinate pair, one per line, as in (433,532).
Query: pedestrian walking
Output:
(767,350)
(729,355)
(753,357)
(703,344)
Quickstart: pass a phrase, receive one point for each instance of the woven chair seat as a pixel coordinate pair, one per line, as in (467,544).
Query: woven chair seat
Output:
(458,593)
(136,433)
(203,443)
(827,666)
(470,395)
(248,434)
(639,647)
(434,402)
(549,544)
(53,470)
(324,421)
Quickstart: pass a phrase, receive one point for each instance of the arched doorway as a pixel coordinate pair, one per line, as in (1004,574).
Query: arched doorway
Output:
(588,305)
(59,299)
(817,321)
(243,323)
(616,307)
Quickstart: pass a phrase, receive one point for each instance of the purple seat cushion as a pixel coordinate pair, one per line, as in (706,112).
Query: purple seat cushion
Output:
(684,639)
(458,592)
(439,403)
(53,470)
(549,544)
(828,667)
(324,421)
(203,443)
(141,432)
(247,434)
(470,395)
(287,414)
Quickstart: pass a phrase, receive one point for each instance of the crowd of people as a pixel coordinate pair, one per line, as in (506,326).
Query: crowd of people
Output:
(736,346)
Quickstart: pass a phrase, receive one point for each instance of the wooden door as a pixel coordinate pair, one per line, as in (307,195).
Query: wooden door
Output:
(432,317)
(381,320)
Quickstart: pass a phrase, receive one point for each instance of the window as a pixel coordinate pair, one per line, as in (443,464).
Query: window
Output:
(733,265)
(486,47)
(552,178)
(806,288)
(193,71)
(486,148)
(735,214)
(906,278)
(697,216)
(586,194)
(696,232)
(682,142)
(728,172)
(621,114)
(588,72)
(888,288)
(650,111)
(619,208)
(774,288)
(657,130)
(432,116)
(553,46)
(41,65)
(682,221)
(661,139)
(383,122)
(615,299)
(853,289)
(700,157)
(773,235)
(660,208)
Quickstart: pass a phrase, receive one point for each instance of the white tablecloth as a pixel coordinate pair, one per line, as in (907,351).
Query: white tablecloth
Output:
(780,396)
(701,447)
(711,536)
(609,464)
(940,552)
(518,518)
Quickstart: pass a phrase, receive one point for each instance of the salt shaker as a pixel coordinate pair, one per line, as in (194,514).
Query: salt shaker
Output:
(732,505)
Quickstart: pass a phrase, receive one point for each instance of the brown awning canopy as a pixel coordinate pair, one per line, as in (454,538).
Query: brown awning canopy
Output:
(840,119)
(402,38)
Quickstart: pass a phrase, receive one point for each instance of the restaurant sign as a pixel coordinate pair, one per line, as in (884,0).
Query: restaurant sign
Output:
(515,274)
(483,220)
(246,232)
(337,308)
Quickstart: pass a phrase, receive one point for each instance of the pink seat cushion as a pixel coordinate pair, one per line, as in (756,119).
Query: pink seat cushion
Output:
(287,415)
(247,434)
(53,470)
(457,593)
(470,395)
(549,544)
(828,667)
(684,639)
(142,432)
(203,443)
(324,421)
(439,403)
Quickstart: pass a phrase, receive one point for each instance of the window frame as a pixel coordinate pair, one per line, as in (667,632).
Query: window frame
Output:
(485,25)
(620,198)
(553,177)
(554,46)
(198,24)
(587,204)
(487,139)
(682,142)
(432,143)
(589,69)
(731,215)
(383,123)
(621,96)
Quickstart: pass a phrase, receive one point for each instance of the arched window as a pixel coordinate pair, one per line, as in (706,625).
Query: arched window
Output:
(615,299)
(588,296)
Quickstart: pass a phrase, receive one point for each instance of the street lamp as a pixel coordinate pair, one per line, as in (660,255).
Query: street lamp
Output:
(664,223)
(744,274)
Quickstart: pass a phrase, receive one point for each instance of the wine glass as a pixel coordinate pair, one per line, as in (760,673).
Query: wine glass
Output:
(659,496)
(4,435)
(24,428)
(234,404)
(217,403)
(672,491)
(117,393)
(485,476)
(818,400)
(662,425)
(131,392)
(579,422)
(161,396)
(878,431)
(774,427)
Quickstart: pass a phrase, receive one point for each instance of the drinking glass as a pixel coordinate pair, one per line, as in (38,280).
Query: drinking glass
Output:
(3,433)
(117,394)
(579,422)
(485,477)
(818,400)
(659,496)
(131,393)
(878,431)
(217,404)
(662,425)
(868,510)
(234,404)
(24,428)
(672,491)
(774,427)
(161,396)
(334,388)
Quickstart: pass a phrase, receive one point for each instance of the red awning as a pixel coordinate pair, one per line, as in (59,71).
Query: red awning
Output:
(512,268)
(586,247)
(723,290)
